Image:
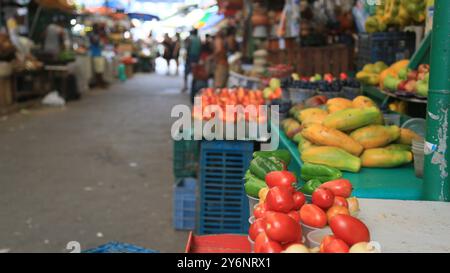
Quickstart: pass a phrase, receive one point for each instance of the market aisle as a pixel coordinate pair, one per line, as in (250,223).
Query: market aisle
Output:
(96,171)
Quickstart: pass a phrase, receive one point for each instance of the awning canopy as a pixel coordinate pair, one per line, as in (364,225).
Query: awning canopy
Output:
(143,16)
(65,5)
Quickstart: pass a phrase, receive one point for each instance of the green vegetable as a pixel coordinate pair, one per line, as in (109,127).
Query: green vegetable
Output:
(253,184)
(320,172)
(283,155)
(310,186)
(260,166)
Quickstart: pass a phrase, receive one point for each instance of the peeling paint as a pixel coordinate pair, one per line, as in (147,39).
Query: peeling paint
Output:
(438,157)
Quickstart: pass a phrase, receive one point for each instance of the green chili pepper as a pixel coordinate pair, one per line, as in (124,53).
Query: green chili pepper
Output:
(320,172)
(310,186)
(283,155)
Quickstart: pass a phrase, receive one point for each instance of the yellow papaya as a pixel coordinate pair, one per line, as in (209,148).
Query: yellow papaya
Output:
(319,134)
(375,136)
(332,157)
(363,102)
(337,104)
(384,158)
(352,118)
(310,113)
(407,136)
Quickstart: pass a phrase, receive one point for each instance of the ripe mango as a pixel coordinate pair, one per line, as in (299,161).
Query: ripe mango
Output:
(319,134)
(312,116)
(375,136)
(333,157)
(384,158)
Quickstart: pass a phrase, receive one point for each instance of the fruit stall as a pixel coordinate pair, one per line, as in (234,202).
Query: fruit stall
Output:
(351,160)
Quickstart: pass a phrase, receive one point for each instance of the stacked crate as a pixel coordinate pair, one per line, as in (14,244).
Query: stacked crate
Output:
(223,202)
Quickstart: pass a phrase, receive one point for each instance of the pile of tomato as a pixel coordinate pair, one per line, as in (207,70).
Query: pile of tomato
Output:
(214,103)
(283,210)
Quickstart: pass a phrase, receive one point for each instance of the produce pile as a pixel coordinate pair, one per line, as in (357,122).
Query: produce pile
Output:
(229,96)
(327,83)
(283,215)
(347,135)
(396,13)
(397,78)
(7,49)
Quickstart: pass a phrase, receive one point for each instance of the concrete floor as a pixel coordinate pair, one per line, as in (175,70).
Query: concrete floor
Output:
(98,170)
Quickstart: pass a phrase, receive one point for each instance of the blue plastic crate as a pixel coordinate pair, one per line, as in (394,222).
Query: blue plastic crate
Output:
(185,158)
(223,202)
(116,247)
(184,204)
(388,47)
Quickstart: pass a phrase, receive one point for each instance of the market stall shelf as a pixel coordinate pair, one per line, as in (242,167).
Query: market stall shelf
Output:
(399,183)
(407,226)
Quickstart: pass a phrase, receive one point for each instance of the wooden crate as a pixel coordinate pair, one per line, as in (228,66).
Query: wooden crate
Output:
(308,61)
(6,96)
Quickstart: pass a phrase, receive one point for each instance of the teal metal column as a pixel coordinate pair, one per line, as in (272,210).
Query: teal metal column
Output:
(437,154)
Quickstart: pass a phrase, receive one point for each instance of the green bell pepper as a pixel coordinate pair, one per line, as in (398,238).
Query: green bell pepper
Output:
(320,172)
(260,166)
(253,184)
(310,186)
(283,155)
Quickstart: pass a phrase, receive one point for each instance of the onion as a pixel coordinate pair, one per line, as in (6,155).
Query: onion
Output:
(364,247)
(353,205)
(296,248)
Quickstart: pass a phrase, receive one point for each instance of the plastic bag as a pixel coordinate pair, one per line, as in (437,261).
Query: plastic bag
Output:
(53,99)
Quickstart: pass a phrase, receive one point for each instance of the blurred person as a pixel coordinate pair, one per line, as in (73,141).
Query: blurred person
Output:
(152,45)
(221,60)
(176,50)
(54,38)
(231,43)
(96,47)
(168,50)
(193,48)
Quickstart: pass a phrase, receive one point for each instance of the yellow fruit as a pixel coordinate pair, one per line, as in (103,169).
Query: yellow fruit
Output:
(312,116)
(375,136)
(337,104)
(332,157)
(384,158)
(407,136)
(352,118)
(319,134)
(363,102)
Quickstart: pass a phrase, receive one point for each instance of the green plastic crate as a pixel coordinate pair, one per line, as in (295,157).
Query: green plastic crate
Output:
(185,158)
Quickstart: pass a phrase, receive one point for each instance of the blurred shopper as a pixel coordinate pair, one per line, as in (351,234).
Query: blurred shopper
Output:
(176,50)
(96,48)
(168,50)
(221,60)
(193,47)
(54,39)
(231,43)
(152,45)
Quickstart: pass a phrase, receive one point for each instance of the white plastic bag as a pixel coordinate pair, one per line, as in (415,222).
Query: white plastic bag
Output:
(53,99)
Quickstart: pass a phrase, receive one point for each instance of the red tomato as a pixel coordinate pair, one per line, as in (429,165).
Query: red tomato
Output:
(313,216)
(281,178)
(260,211)
(340,201)
(299,200)
(256,228)
(280,199)
(350,229)
(336,210)
(294,214)
(282,228)
(323,198)
(264,245)
(331,244)
(340,187)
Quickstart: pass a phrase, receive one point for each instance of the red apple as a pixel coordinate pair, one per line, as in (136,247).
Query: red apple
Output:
(412,75)
(401,85)
(411,86)
(424,68)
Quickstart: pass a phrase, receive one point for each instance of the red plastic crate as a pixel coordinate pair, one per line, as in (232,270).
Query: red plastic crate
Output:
(223,243)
